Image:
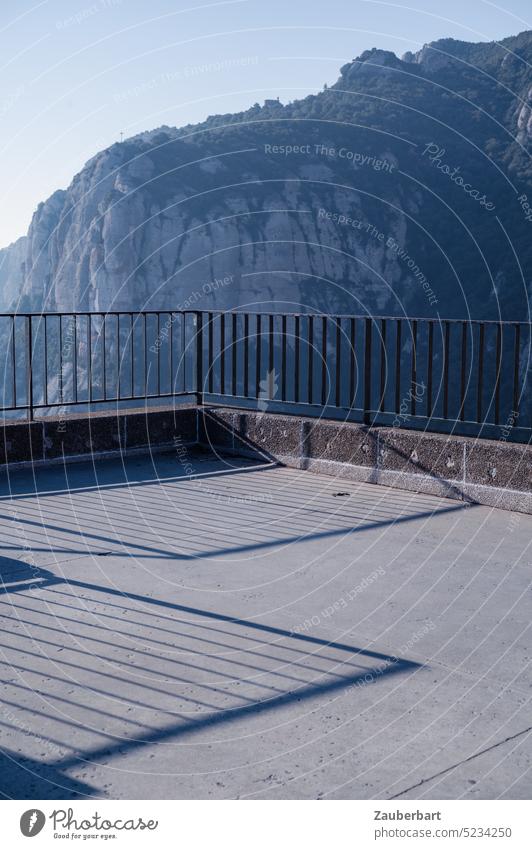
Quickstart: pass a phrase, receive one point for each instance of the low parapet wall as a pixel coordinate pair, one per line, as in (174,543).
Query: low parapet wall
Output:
(71,438)
(495,473)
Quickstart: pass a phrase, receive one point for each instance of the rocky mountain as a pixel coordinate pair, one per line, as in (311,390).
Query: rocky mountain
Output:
(404,187)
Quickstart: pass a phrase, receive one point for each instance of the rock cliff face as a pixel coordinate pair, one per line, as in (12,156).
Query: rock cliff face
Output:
(398,189)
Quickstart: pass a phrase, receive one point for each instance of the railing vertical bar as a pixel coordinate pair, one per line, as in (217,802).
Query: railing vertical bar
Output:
(270,389)
(446,371)
(498,364)
(170,352)
(45,360)
(352,363)
(367,371)
(246,355)
(413,374)
(118,362)
(258,346)
(337,365)
(158,348)
(103,335)
(233,354)
(283,358)
(398,347)
(463,356)
(145,329)
(184,349)
(89,356)
(429,369)
(210,360)
(61,359)
(222,353)
(324,393)
(75,366)
(517,357)
(310,357)
(13,357)
(480,382)
(297,325)
(383,364)
(199,358)
(118,359)
(30,368)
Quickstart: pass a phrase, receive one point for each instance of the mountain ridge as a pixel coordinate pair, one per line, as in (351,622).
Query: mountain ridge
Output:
(148,220)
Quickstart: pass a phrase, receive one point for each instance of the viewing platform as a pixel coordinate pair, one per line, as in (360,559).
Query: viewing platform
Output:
(258,598)
(203,627)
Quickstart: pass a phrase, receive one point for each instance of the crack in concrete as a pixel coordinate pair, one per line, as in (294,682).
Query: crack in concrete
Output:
(461,763)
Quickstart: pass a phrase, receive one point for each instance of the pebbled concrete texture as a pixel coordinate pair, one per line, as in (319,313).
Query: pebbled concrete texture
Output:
(499,465)
(98,434)
(328,442)
(277,436)
(81,435)
(494,473)
(432,454)
(153,429)
(185,626)
(21,441)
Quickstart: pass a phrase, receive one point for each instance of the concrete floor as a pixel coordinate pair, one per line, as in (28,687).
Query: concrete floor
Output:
(252,633)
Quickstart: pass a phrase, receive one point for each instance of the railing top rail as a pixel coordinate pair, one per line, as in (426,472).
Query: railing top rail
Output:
(169,311)
(58,313)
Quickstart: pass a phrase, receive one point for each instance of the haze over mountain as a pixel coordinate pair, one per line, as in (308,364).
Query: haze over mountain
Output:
(403,188)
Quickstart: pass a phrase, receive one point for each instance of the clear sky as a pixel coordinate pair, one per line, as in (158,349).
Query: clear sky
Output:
(77,73)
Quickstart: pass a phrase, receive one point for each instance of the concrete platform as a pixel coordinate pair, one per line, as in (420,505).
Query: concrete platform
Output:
(189,627)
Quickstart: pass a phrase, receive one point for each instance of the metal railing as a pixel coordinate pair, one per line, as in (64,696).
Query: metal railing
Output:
(444,375)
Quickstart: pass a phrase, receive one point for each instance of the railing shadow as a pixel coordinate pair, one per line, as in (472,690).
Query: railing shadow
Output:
(126,473)
(450,488)
(31,779)
(131,548)
(355,668)
(19,576)
(241,442)
(27,778)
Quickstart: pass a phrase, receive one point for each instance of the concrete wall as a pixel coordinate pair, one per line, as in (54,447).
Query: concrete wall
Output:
(495,473)
(78,437)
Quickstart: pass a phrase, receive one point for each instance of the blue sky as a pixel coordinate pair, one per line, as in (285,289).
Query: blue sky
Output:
(77,73)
